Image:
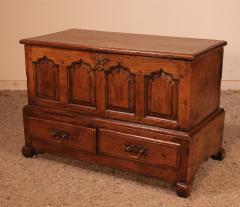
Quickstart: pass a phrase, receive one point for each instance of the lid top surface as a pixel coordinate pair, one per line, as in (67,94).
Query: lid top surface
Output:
(151,45)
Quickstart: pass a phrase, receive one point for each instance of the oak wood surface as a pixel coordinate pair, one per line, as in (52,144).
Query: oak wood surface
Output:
(164,173)
(46,76)
(77,137)
(146,104)
(187,169)
(157,152)
(112,92)
(81,73)
(205,86)
(126,43)
(204,148)
(60,115)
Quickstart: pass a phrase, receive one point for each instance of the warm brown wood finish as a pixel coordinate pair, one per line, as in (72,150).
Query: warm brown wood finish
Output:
(125,43)
(120,89)
(81,73)
(46,79)
(62,136)
(207,72)
(161,95)
(138,148)
(142,103)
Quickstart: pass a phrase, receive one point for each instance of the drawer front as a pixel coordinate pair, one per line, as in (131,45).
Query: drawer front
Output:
(62,136)
(140,149)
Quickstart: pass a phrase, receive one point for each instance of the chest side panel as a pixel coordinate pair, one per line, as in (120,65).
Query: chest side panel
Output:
(205,86)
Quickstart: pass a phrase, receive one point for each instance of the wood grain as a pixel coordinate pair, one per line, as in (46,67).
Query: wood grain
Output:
(205,86)
(120,89)
(125,43)
(161,95)
(82,84)
(146,104)
(80,138)
(157,152)
(46,75)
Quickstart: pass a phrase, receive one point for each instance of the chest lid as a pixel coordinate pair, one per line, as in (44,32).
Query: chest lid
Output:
(126,43)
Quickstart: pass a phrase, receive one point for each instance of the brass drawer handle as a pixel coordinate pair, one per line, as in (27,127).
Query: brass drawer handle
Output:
(58,135)
(136,151)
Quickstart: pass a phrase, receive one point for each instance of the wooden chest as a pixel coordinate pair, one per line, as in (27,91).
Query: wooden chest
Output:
(143,103)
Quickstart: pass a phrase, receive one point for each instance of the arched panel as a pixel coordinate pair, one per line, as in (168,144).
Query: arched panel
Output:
(120,89)
(161,95)
(81,84)
(46,79)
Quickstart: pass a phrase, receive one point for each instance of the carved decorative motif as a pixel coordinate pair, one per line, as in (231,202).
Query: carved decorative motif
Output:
(100,61)
(46,79)
(120,89)
(161,95)
(81,80)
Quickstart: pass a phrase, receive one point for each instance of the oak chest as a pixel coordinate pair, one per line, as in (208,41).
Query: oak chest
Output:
(143,103)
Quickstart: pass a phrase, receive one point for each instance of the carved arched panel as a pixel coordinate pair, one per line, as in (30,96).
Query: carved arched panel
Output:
(120,89)
(81,79)
(161,95)
(46,79)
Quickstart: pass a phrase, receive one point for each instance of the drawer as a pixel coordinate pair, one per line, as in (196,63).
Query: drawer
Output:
(61,136)
(140,149)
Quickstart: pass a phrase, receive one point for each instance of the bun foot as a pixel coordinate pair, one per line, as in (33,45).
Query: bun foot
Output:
(219,156)
(183,189)
(27,151)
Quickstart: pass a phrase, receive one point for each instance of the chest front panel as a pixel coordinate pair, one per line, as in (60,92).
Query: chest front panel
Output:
(133,88)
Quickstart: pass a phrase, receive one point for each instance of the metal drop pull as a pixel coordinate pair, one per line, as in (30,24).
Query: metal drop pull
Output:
(136,151)
(59,136)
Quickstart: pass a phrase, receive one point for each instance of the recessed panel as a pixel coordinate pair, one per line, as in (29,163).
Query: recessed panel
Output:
(161,95)
(120,89)
(81,84)
(46,79)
